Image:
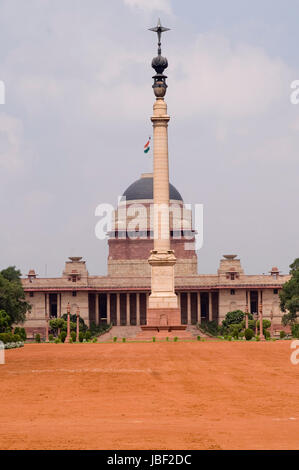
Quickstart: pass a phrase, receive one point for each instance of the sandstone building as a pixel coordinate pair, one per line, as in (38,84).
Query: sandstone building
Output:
(121,297)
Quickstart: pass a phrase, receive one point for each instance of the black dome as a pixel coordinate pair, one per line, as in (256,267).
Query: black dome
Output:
(143,189)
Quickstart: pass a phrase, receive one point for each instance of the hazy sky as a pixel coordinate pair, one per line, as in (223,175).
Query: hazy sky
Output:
(77,114)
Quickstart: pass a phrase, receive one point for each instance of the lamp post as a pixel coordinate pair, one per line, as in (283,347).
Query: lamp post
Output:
(78,319)
(255,316)
(68,335)
(262,337)
(272,326)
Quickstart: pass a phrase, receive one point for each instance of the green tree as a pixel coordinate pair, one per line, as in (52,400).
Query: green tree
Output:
(289,295)
(5,321)
(235,317)
(12,296)
(11,273)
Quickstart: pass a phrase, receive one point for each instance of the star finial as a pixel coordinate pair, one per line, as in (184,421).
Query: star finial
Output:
(159,29)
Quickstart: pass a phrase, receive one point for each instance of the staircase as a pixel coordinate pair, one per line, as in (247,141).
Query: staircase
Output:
(135,333)
(120,332)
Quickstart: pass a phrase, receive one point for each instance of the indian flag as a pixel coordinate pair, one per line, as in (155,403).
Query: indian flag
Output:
(147,146)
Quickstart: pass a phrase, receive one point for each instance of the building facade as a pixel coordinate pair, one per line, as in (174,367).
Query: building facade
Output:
(121,297)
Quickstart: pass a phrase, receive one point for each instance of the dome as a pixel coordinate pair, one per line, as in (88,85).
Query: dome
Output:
(143,189)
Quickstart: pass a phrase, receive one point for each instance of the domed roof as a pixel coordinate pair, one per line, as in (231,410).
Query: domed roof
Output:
(143,189)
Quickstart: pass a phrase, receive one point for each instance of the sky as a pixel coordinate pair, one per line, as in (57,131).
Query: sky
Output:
(77,113)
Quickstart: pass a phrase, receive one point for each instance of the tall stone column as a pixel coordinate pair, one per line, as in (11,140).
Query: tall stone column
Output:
(128,312)
(108,310)
(189,308)
(198,308)
(210,307)
(138,309)
(163,309)
(118,309)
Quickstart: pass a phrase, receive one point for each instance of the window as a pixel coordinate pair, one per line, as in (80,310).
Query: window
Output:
(275,291)
(74,294)
(232,292)
(31,294)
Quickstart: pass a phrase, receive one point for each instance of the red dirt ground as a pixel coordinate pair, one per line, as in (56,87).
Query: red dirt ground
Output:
(150,396)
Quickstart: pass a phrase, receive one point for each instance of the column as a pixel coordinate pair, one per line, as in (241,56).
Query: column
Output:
(48,305)
(189,308)
(128,310)
(118,309)
(97,310)
(138,309)
(198,308)
(108,310)
(210,307)
(58,305)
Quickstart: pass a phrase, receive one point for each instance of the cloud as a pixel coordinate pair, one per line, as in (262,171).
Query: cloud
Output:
(11,137)
(151,5)
(214,77)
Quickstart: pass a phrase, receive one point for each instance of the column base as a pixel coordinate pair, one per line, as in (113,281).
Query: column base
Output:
(164,318)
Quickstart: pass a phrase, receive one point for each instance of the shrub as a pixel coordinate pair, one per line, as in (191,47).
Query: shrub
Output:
(229,338)
(6,338)
(62,336)
(210,327)
(57,340)
(235,317)
(16,338)
(154,339)
(295,330)
(95,340)
(88,335)
(257,338)
(267,334)
(241,335)
(37,338)
(249,334)
(198,338)
(81,336)
(235,333)
(21,332)
(124,340)
(167,339)
(51,337)
(73,336)
(175,339)
(71,341)
(282,334)
(114,339)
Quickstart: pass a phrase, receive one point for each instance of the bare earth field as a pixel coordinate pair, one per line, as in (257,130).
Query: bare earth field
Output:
(150,396)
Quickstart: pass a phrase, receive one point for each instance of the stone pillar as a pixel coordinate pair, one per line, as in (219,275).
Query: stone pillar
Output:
(272,324)
(128,310)
(262,337)
(198,308)
(97,310)
(163,302)
(138,309)
(118,309)
(246,317)
(210,307)
(68,335)
(48,305)
(47,328)
(189,308)
(78,325)
(108,310)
